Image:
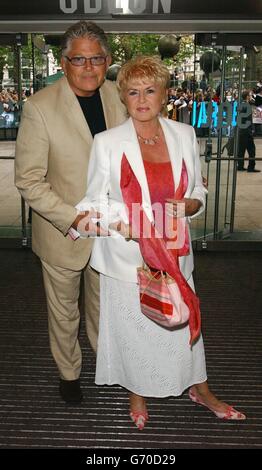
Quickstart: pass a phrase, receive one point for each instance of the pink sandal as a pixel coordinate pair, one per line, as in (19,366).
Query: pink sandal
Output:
(230,412)
(139,418)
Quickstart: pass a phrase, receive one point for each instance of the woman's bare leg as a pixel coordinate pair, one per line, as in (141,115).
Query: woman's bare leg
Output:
(204,394)
(138,410)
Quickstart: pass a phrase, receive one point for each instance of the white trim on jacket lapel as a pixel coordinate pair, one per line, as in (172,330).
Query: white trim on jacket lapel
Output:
(174,145)
(131,149)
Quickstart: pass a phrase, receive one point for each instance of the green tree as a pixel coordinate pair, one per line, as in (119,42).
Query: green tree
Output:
(186,49)
(8,57)
(125,46)
(253,66)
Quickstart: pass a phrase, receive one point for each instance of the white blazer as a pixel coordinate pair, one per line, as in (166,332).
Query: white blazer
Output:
(115,256)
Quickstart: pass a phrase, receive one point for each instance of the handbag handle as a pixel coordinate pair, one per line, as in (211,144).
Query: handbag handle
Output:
(150,280)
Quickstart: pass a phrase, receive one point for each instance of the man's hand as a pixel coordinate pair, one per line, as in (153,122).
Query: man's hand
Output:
(87,224)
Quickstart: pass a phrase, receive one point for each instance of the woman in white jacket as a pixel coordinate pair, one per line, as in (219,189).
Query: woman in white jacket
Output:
(162,155)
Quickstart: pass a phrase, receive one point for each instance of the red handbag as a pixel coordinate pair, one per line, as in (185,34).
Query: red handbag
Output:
(160,298)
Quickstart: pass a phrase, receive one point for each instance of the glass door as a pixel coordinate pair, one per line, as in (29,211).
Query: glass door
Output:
(220,111)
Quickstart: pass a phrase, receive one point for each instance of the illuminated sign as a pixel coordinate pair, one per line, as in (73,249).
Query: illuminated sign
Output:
(210,114)
(115,7)
(29,9)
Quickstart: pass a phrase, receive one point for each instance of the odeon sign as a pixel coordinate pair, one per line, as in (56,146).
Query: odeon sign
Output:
(115,7)
(149,9)
(210,114)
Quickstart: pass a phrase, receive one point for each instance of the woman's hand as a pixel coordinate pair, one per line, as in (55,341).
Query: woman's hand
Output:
(205,182)
(122,228)
(185,207)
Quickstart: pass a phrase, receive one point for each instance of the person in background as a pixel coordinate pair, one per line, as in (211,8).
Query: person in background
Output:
(203,84)
(258,97)
(52,154)
(246,137)
(171,108)
(154,162)
(181,104)
(257,100)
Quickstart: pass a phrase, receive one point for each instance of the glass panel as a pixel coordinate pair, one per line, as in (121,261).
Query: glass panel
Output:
(212,117)
(213,77)
(25,69)
(10,200)
(234,198)
(247,219)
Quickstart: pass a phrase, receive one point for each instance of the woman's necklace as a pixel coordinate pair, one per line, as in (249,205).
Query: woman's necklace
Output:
(150,140)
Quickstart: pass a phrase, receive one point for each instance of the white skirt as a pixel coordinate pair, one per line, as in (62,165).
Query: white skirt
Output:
(139,354)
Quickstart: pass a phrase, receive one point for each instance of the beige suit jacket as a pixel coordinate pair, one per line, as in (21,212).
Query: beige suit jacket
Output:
(52,154)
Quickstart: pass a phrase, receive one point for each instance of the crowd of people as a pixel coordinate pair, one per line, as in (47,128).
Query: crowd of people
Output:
(180,106)
(180,99)
(10,106)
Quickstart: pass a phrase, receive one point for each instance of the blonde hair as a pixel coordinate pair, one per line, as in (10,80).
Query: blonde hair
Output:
(143,68)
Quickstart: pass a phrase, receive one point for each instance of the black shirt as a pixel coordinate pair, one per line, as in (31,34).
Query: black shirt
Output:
(93,112)
(258,100)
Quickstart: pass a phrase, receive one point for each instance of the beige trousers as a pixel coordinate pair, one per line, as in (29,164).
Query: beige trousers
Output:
(62,287)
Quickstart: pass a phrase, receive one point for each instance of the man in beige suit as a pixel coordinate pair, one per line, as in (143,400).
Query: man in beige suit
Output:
(52,153)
